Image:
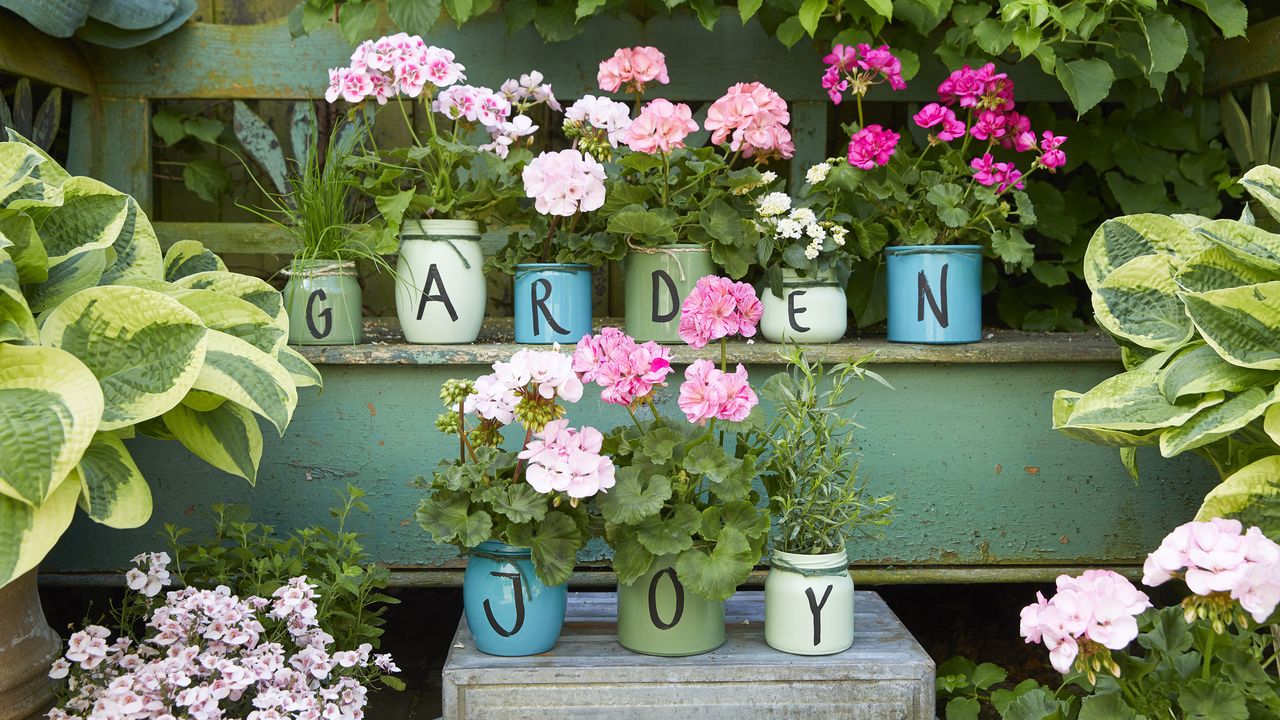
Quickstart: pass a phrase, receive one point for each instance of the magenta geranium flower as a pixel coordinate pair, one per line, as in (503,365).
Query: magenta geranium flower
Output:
(872,146)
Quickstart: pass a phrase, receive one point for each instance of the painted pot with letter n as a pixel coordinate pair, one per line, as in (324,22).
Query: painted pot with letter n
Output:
(552,303)
(808,603)
(657,280)
(324,303)
(935,293)
(440,286)
(810,310)
(657,615)
(509,611)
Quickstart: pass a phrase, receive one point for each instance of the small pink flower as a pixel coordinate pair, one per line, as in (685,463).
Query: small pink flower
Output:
(842,57)
(739,397)
(718,308)
(752,118)
(627,370)
(930,115)
(984,169)
(564,183)
(990,126)
(632,68)
(1018,133)
(701,394)
(1051,158)
(834,84)
(872,146)
(661,127)
(880,61)
(952,128)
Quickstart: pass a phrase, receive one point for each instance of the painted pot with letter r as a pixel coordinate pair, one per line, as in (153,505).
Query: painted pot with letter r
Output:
(657,615)
(324,302)
(808,603)
(552,303)
(440,285)
(657,280)
(509,611)
(809,310)
(935,293)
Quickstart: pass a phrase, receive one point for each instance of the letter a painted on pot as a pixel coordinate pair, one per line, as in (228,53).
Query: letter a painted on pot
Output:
(434,279)
(673,295)
(815,609)
(538,305)
(925,293)
(325,315)
(518,593)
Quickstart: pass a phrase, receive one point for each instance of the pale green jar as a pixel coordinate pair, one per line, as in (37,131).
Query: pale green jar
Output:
(656,281)
(657,615)
(810,310)
(808,603)
(324,303)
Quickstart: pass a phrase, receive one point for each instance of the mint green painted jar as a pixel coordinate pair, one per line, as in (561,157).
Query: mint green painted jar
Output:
(808,603)
(657,615)
(656,282)
(324,303)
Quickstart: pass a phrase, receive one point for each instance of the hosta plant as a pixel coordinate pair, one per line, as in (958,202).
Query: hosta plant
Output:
(129,340)
(684,484)
(1195,306)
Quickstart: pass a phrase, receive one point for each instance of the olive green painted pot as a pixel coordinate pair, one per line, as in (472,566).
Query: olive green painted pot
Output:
(657,280)
(808,603)
(324,303)
(657,615)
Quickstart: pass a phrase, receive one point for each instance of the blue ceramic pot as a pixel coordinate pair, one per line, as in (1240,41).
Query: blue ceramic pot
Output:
(935,293)
(509,611)
(552,303)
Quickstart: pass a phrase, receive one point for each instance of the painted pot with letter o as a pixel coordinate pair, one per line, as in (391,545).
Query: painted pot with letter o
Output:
(552,303)
(509,611)
(935,293)
(440,286)
(808,603)
(657,280)
(658,615)
(324,303)
(809,310)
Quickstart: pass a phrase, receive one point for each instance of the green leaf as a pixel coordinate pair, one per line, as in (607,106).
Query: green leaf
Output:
(259,140)
(811,12)
(1012,248)
(415,17)
(670,535)
(748,8)
(630,559)
(137,250)
(643,225)
(988,674)
(1050,274)
(1251,494)
(1107,706)
(448,518)
(715,575)
(521,503)
(1131,401)
(659,443)
(356,20)
(227,437)
(555,542)
(1200,369)
(1263,184)
(1216,422)
(962,708)
(169,127)
(1231,16)
(884,8)
(1242,324)
(459,10)
(556,23)
(114,492)
(304,373)
(1209,700)
(1027,39)
(245,375)
(188,257)
(1217,268)
(1166,42)
(1235,128)
(790,31)
(587,8)
(1038,704)
(1120,240)
(1087,81)
(206,178)
(203,128)
(392,207)
(27,534)
(91,216)
(638,493)
(1139,302)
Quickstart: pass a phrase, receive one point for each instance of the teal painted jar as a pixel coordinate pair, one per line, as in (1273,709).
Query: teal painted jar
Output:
(657,615)
(324,303)
(656,282)
(935,293)
(510,612)
(552,303)
(810,310)
(808,603)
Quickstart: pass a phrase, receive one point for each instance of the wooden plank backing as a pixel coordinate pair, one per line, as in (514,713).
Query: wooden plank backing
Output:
(1244,60)
(27,52)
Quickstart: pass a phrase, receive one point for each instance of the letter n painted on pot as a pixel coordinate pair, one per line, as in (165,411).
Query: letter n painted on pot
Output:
(677,589)
(815,609)
(434,280)
(517,592)
(539,297)
(924,293)
(664,285)
(325,315)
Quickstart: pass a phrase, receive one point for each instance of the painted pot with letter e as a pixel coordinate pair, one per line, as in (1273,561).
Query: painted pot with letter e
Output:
(658,615)
(808,603)
(440,285)
(935,293)
(810,310)
(509,611)
(657,280)
(324,303)
(552,303)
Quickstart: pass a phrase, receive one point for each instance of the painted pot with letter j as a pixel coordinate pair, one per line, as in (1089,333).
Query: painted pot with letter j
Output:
(657,280)
(810,310)
(552,303)
(440,285)
(935,293)
(509,611)
(324,303)
(808,603)
(657,615)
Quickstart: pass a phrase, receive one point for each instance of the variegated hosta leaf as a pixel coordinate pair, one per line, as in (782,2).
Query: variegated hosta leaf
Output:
(245,287)
(304,373)
(1064,402)
(1200,369)
(1242,324)
(1250,243)
(203,401)
(1263,183)
(78,272)
(1190,220)
(188,257)
(27,534)
(233,316)
(16,321)
(145,348)
(50,407)
(1251,494)
(227,438)
(1131,401)
(1122,239)
(17,165)
(1271,423)
(245,375)
(26,249)
(1218,268)
(90,217)
(1138,301)
(113,491)
(137,251)
(1217,422)
(49,171)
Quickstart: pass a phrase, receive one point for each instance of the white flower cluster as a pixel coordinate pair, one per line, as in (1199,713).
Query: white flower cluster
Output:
(778,217)
(766,179)
(817,173)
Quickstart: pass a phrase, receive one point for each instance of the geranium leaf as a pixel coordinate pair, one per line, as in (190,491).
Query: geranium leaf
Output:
(670,535)
(521,503)
(639,492)
(715,575)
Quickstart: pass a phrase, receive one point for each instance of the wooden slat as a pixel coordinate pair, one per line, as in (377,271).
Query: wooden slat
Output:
(1240,61)
(27,52)
(809,131)
(121,146)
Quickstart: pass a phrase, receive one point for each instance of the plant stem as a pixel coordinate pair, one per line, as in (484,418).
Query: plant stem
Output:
(666,177)
(724,355)
(632,413)
(858,98)
(1208,656)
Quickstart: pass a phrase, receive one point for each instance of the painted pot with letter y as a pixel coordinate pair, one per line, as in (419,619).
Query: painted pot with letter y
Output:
(808,603)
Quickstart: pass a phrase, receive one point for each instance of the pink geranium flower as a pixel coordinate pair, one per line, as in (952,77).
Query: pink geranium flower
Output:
(632,68)
(661,127)
(1097,609)
(709,393)
(626,370)
(718,308)
(1051,158)
(872,146)
(564,183)
(562,459)
(752,119)
(1219,558)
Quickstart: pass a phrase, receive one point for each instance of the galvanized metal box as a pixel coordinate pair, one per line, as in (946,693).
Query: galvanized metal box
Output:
(886,675)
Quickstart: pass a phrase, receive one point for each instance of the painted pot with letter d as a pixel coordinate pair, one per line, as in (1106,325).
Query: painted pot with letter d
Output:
(324,303)
(440,285)
(809,310)
(552,303)
(657,280)
(657,615)
(808,603)
(935,293)
(509,611)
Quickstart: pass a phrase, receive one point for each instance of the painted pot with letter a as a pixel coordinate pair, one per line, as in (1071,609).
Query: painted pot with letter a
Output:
(657,615)
(810,310)
(657,280)
(324,303)
(552,303)
(509,611)
(935,293)
(440,286)
(808,603)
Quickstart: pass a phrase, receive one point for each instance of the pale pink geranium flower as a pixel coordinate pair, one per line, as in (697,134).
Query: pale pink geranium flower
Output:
(661,127)
(1217,558)
(632,68)
(1096,610)
(609,116)
(739,397)
(752,119)
(564,183)
(562,459)
(717,308)
(872,146)
(701,394)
